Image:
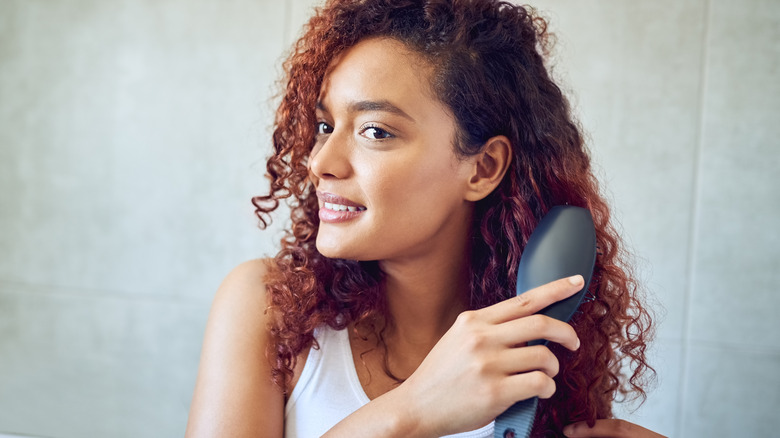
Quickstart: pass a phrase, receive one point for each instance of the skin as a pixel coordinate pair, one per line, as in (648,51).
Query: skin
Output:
(396,161)
(418,195)
(609,428)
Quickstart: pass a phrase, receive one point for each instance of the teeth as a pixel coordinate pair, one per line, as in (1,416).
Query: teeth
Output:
(339,207)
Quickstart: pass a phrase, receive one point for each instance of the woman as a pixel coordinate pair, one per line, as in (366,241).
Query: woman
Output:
(419,143)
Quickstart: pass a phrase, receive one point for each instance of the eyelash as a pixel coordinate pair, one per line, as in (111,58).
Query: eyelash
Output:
(382,133)
(324,129)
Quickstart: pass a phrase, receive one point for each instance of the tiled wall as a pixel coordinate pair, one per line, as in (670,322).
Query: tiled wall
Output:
(132,135)
(682,99)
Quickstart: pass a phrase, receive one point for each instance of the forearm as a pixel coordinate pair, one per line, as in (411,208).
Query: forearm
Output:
(387,416)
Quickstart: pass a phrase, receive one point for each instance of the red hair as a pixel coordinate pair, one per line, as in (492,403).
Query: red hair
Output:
(488,60)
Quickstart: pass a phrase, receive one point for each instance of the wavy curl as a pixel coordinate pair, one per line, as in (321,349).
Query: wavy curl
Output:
(489,69)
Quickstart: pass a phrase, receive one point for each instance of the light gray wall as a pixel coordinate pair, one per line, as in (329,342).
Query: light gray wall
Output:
(133,133)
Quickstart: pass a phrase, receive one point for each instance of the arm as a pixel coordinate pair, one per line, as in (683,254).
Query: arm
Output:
(234,395)
(611,428)
(478,369)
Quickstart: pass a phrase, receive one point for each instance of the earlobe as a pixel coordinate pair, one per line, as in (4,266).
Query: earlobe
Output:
(490,166)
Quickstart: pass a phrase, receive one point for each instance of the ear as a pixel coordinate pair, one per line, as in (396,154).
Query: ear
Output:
(489,167)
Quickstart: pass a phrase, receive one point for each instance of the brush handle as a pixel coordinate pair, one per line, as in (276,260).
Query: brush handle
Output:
(562,244)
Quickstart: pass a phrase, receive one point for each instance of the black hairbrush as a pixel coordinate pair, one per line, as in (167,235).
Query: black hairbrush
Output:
(562,244)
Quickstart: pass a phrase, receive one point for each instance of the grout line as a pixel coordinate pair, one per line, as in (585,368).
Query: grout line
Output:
(74,291)
(684,373)
(735,347)
(718,345)
(10,435)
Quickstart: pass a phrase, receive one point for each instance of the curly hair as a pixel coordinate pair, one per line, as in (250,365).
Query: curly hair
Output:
(489,67)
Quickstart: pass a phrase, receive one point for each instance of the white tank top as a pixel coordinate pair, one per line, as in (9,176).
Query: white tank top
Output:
(329,390)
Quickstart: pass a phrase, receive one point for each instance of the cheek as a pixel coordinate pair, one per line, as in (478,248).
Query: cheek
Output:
(417,185)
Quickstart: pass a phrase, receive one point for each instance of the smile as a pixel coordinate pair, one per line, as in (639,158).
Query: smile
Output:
(335,209)
(340,207)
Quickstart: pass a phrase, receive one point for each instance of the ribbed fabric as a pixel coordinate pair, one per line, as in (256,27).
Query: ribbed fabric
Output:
(329,390)
(519,419)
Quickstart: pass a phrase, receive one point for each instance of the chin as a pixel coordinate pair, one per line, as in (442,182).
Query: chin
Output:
(330,253)
(335,250)
(338,250)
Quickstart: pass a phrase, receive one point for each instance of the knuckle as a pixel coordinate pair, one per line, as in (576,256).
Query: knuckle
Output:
(476,340)
(549,389)
(549,360)
(538,323)
(541,384)
(482,368)
(465,318)
(523,301)
(477,368)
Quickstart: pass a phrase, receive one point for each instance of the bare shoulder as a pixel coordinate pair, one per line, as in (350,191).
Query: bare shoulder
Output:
(245,284)
(238,313)
(234,394)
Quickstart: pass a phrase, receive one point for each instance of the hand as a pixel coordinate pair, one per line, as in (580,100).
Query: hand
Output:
(609,429)
(482,365)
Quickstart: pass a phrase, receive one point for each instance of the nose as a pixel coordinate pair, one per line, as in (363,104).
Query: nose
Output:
(331,159)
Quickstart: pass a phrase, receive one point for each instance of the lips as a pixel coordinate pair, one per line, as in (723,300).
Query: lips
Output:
(335,208)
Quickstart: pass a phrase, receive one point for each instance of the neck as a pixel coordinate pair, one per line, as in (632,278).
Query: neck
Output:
(425,298)
(427,291)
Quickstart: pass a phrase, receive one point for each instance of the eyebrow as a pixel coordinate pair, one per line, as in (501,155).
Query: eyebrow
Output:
(371,105)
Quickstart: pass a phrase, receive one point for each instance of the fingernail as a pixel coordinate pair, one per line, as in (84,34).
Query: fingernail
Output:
(576,280)
(568,430)
(578,346)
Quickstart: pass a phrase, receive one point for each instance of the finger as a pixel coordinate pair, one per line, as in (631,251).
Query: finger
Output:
(526,359)
(529,328)
(526,385)
(534,300)
(609,428)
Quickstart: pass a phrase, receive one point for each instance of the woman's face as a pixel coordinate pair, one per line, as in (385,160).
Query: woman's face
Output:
(389,183)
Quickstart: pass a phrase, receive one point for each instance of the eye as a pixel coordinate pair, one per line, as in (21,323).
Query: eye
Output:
(324,128)
(375,133)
